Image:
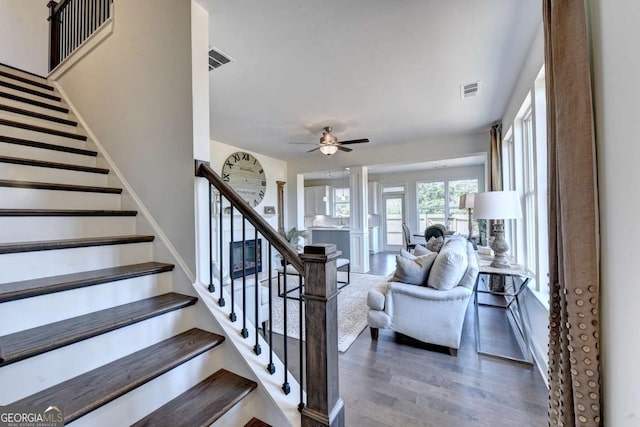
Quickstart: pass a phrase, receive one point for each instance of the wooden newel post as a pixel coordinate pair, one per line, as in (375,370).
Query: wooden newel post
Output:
(54,35)
(324,406)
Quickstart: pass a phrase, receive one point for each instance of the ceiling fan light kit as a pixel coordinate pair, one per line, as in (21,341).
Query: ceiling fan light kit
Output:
(328,149)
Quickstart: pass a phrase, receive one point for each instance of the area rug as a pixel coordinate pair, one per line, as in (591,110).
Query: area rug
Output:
(352,308)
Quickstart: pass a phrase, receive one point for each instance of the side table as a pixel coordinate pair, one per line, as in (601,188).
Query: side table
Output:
(513,280)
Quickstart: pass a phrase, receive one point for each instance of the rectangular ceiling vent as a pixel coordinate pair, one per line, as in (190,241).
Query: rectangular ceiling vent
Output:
(470,89)
(217,58)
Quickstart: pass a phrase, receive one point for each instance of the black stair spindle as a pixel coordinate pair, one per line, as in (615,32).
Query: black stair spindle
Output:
(244,332)
(232,315)
(301,342)
(221,301)
(285,385)
(256,302)
(270,367)
(212,288)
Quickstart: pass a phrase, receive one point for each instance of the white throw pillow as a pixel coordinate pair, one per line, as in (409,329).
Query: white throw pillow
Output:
(413,272)
(435,244)
(421,250)
(448,268)
(406,254)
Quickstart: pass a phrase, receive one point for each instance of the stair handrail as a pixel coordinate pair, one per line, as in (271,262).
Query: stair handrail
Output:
(276,239)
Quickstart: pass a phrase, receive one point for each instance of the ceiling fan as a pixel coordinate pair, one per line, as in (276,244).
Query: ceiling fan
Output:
(329,144)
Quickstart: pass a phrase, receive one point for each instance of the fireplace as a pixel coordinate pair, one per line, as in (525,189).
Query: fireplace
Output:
(249,258)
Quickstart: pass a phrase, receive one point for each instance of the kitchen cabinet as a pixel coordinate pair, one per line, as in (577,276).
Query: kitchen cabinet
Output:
(374,239)
(373,197)
(316,200)
(338,236)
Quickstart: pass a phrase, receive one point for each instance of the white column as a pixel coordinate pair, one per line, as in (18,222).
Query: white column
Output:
(359,220)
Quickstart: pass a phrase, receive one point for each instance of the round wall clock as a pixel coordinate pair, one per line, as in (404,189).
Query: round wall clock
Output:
(244,173)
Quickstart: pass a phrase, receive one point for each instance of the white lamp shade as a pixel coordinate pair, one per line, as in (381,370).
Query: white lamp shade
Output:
(497,205)
(466,201)
(328,149)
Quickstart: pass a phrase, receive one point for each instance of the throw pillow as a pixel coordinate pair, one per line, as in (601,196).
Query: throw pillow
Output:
(406,254)
(448,268)
(421,250)
(435,243)
(413,272)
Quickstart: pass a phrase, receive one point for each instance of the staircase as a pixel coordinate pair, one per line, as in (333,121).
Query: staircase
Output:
(89,322)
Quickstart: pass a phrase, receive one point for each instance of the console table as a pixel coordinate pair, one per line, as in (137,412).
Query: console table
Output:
(503,288)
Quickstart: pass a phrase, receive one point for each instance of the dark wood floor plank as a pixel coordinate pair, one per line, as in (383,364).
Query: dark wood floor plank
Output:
(25,80)
(47,285)
(65,212)
(202,404)
(31,342)
(48,245)
(58,187)
(254,422)
(100,386)
(52,165)
(40,116)
(45,146)
(33,102)
(42,129)
(30,91)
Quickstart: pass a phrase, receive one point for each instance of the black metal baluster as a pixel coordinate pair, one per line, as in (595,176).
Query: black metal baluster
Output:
(285,385)
(221,301)
(232,315)
(65,30)
(76,24)
(270,367)
(83,20)
(244,332)
(301,342)
(212,288)
(256,302)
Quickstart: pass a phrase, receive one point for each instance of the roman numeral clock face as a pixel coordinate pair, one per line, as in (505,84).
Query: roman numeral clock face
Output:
(244,173)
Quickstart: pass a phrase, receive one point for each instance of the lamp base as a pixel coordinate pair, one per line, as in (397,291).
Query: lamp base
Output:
(500,247)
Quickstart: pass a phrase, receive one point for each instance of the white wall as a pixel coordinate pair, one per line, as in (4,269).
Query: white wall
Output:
(134,90)
(24,35)
(615,35)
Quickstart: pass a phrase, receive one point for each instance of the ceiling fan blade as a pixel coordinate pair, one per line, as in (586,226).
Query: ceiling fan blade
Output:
(313,149)
(345,149)
(355,141)
(304,143)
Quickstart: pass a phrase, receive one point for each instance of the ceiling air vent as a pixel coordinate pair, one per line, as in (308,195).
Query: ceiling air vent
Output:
(470,89)
(217,58)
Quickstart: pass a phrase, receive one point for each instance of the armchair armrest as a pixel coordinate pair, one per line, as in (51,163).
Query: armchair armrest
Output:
(376,296)
(426,293)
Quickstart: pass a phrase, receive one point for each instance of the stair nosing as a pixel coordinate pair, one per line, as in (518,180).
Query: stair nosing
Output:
(125,315)
(23,71)
(205,389)
(207,341)
(39,116)
(41,129)
(30,91)
(23,289)
(58,187)
(26,80)
(47,146)
(34,102)
(52,165)
(51,245)
(65,212)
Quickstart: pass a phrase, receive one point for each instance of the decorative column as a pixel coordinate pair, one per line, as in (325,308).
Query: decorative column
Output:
(324,406)
(281,184)
(359,219)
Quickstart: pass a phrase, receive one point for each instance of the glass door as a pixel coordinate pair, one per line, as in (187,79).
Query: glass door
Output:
(393,217)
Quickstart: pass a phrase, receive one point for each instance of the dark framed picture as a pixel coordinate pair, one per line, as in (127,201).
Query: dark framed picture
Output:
(270,210)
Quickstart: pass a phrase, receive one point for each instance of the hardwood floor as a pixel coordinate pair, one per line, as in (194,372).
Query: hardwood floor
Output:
(396,381)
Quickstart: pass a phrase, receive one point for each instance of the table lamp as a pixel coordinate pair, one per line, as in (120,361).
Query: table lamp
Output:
(466,202)
(498,206)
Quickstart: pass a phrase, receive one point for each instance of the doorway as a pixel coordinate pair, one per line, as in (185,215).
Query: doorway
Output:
(393,217)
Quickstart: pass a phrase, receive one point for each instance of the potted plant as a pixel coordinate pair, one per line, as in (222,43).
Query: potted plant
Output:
(293,236)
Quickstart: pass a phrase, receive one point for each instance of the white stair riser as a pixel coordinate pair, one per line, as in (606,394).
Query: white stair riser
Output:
(34,228)
(31,312)
(32,135)
(29,85)
(138,403)
(35,121)
(26,152)
(35,264)
(28,198)
(51,175)
(36,109)
(21,73)
(45,370)
(33,97)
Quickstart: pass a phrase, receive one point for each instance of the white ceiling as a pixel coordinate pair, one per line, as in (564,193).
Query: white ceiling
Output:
(385,70)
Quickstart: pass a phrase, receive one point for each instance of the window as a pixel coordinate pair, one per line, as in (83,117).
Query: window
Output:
(529,192)
(438,203)
(341,202)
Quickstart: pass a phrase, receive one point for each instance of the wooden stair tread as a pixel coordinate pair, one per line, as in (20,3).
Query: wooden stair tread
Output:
(41,129)
(41,116)
(254,422)
(31,342)
(24,71)
(48,245)
(30,91)
(64,212)
(33,102)
(202,404)
(98,387)
(58,187)
(52,165)
(46,146)
(65,282)
(25,80)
